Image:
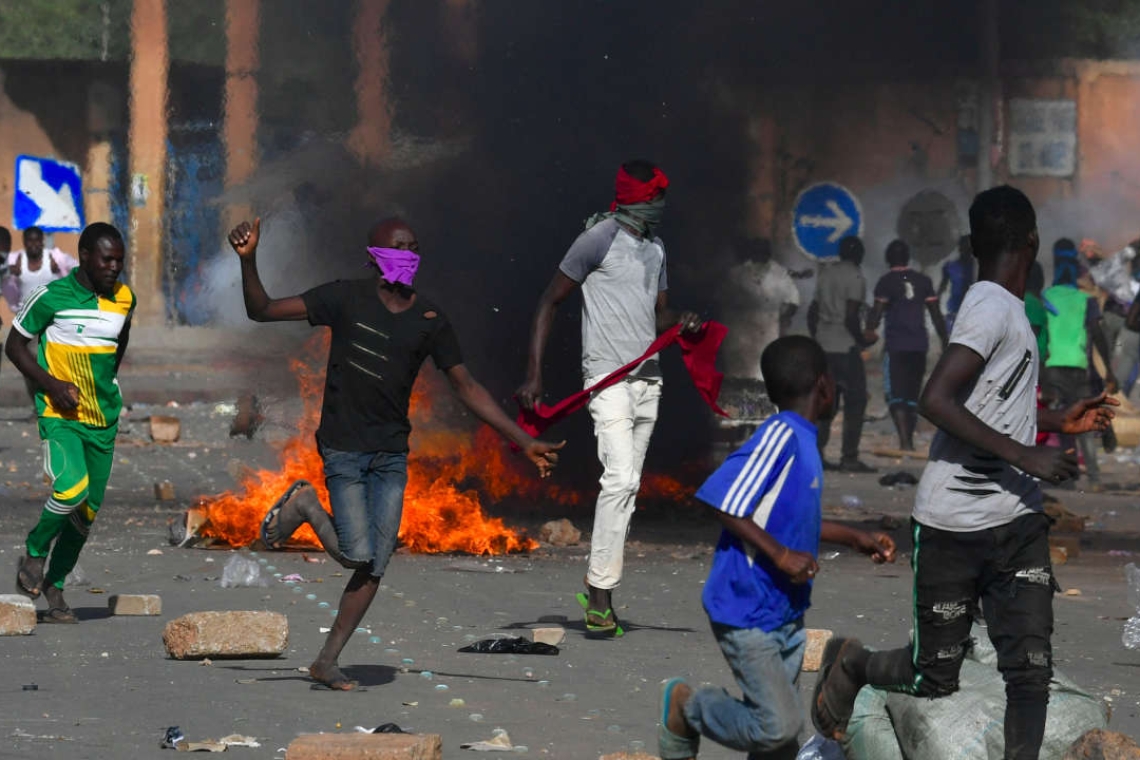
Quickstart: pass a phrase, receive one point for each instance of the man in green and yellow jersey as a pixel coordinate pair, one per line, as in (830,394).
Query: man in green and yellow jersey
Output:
(83,322)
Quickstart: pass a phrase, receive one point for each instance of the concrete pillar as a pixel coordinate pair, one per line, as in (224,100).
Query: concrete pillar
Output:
(150,61)
(243,21)
(370,139)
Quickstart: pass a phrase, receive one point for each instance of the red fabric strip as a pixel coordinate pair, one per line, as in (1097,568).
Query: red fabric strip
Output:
(698,352)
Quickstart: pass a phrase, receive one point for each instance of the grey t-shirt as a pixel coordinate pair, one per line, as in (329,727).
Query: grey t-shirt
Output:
(620,276)
(964,488)
(838,283)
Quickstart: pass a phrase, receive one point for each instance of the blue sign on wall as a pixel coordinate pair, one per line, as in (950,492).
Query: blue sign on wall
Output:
(49,195)
(824,214)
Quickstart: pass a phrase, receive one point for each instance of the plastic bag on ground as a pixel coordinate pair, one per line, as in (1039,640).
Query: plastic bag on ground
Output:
(818,748)
(967,725)
(242,572)
(510,646)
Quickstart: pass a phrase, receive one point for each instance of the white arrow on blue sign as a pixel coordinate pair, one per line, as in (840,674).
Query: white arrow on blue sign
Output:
(49,195)
(824,214)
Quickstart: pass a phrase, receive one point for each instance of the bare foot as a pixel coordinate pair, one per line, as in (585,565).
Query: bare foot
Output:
(676,722)
(331,676)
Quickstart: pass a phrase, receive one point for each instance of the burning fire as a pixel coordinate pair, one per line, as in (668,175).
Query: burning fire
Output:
(447,472)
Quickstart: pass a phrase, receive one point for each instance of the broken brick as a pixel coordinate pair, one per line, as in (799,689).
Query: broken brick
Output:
(135,604)
(365,747)
(226,634)
(17,615)
(164,491)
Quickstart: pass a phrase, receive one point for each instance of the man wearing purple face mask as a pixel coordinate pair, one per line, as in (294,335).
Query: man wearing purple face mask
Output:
(382,330)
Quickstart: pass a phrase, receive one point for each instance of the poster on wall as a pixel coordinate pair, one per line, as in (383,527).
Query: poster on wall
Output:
(1042,137)
(49,195)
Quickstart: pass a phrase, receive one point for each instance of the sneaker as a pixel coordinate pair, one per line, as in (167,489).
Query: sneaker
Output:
(855,466)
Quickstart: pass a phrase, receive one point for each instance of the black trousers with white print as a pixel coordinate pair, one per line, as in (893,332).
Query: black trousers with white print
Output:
(1008,570)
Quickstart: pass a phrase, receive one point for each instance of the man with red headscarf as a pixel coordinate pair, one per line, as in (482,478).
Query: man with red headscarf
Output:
(619,264)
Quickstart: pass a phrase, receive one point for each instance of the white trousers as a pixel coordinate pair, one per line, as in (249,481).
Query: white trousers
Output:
(624,415)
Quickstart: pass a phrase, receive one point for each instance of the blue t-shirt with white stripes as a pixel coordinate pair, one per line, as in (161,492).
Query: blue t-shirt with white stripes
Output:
(776,479)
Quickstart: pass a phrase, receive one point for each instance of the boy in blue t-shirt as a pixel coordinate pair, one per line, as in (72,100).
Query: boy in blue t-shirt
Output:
(767,495)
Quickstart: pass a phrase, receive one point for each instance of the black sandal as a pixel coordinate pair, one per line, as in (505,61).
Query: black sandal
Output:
(833,700)
(63,615)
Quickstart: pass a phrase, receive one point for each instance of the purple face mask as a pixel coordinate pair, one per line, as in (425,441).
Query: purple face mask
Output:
(397,265)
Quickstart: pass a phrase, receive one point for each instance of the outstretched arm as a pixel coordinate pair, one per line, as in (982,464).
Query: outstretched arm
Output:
(476,398)
(879,546)
(258,305)
(560,287)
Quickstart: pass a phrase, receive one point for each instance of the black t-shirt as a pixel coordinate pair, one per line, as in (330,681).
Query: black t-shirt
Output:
(373,363)
(905,293)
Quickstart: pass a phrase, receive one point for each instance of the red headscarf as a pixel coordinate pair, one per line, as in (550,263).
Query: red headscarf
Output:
(628,189)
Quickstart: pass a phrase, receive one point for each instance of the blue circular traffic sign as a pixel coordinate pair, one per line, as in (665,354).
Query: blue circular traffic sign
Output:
(824,214)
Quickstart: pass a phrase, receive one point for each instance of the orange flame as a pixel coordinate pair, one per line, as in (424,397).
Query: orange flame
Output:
(447,473)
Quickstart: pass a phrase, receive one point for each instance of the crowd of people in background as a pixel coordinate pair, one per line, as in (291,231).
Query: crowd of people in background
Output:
(1088,334)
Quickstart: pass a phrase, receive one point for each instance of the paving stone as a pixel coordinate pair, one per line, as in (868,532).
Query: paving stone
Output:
(365,747)
(628,756)
(226,634)
(135,604)
(817,639)
(553,635)
(17,615)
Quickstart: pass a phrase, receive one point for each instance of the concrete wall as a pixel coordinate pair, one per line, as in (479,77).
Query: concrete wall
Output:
(887,140)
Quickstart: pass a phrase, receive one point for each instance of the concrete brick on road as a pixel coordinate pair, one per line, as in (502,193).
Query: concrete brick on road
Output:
(365,747)
(817,639)
(226,634)
(553,635)
(17,615)
(135,604)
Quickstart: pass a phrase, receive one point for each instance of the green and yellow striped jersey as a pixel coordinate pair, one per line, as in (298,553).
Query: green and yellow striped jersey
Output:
(79,337)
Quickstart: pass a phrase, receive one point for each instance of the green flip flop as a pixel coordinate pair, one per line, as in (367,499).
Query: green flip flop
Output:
(612,628)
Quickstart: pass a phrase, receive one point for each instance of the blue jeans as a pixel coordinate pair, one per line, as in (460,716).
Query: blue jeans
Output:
(366,491)
(767,722)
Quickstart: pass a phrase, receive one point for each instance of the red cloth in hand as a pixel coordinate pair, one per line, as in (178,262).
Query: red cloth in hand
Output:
(629,189)
(698,351)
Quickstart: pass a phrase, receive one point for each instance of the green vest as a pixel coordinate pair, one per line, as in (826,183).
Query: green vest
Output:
(1068,330)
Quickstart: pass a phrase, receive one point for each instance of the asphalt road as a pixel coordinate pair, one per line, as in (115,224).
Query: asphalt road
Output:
(107,690)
